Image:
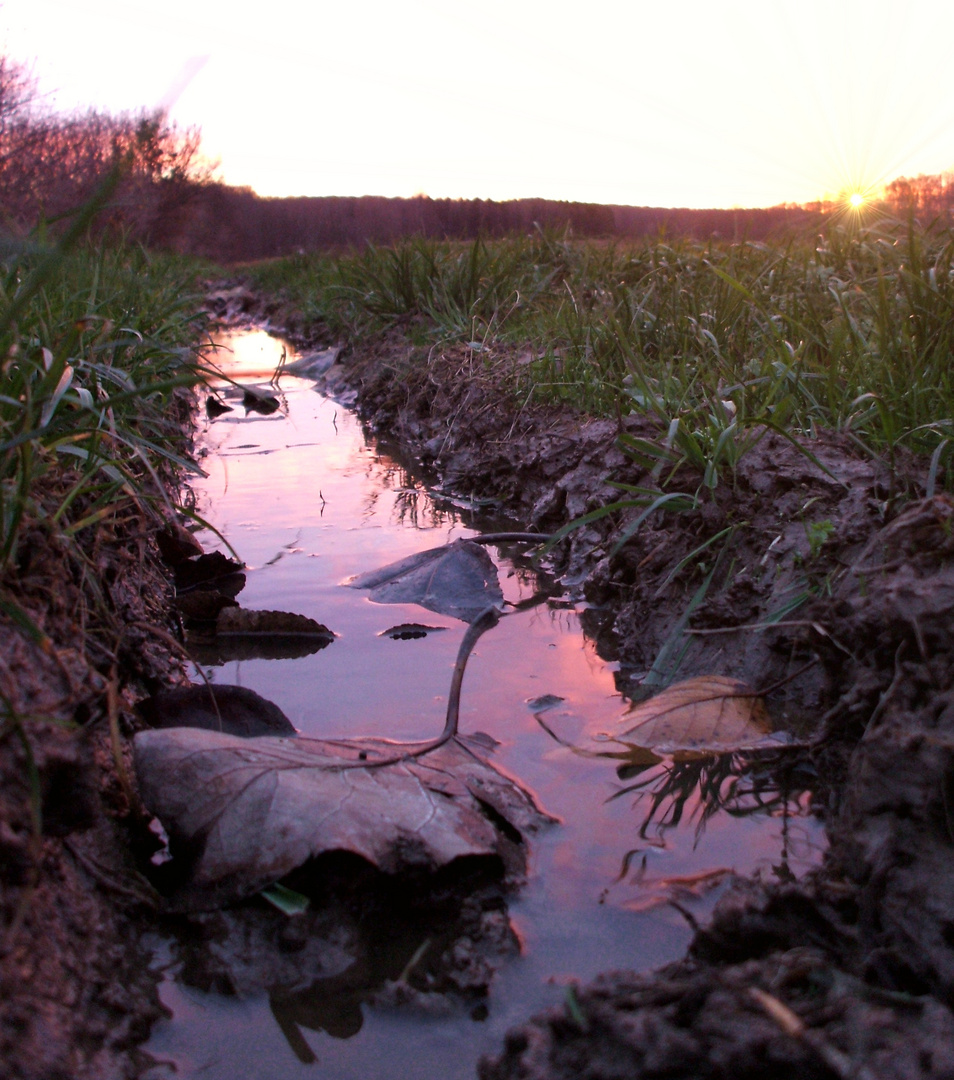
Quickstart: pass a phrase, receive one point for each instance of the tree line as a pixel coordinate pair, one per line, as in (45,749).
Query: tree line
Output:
(166,194)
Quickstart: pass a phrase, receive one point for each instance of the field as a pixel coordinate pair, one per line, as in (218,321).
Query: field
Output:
(848,331)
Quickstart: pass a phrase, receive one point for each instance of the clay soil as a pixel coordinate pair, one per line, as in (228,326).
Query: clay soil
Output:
(849,972)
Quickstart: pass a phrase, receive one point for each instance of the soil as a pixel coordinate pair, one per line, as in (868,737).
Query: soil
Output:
(826,581)
(76,996)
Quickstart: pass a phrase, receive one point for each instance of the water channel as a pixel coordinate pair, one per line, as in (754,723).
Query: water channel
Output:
(307,499)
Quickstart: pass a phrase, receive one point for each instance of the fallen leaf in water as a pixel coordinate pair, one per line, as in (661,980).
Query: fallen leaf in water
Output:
(177,544)
(459,580)
(709,713)
(409,631)
(202,606)
(654,892)
(259,401)
(241,621)
(313,364)
(235,710)
(253,810)
(544,702)
(215,408)
(213,569)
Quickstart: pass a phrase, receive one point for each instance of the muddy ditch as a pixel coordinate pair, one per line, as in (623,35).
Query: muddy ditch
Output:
(824,584)
(832,590)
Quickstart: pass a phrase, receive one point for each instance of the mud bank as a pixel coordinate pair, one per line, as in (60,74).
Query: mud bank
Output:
(823,577)
(76,995)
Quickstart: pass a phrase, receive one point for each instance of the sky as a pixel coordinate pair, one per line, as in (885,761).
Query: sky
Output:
(718,103)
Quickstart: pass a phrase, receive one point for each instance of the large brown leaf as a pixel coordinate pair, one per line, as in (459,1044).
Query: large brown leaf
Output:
(709,713)
(252,810)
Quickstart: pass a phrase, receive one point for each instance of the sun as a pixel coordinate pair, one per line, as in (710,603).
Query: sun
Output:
(856,200)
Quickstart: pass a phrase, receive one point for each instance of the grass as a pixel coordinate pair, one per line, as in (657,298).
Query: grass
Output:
(713,345)
(93,348)
(94,343)
(850,331)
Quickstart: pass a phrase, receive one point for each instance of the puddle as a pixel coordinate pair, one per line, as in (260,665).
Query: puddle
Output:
(308,501)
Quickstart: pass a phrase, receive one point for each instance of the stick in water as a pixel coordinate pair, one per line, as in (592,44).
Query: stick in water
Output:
(484,621)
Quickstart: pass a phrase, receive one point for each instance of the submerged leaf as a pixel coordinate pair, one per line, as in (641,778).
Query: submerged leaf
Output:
(242,621)
(251,811)
(235,710)
(459,580)
(410,631)
(710,713)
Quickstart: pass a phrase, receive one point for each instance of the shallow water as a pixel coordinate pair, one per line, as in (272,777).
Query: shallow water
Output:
(308,501)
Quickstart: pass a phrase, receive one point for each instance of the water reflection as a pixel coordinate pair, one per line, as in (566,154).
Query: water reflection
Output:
(307,483)
(668,794)
(367,938)
(775,783)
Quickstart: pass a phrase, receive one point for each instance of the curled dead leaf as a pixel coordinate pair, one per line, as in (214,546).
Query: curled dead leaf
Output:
(708,713)
(250,811)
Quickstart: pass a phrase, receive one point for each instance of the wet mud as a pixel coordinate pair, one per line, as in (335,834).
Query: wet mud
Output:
(77,998)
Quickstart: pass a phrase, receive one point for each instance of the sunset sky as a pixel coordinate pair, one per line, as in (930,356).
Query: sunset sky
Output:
(675,103)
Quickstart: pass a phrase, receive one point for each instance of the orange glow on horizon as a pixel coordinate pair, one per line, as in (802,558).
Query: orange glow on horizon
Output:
(553,106)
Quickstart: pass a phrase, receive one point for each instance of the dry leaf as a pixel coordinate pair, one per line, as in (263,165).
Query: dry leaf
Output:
(709,713)
(252,810)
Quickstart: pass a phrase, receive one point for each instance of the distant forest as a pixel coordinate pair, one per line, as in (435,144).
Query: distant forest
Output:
(230,224)
(165,196)
(235,224)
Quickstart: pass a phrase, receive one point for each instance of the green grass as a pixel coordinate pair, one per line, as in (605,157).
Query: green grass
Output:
(93,343)
(850,331)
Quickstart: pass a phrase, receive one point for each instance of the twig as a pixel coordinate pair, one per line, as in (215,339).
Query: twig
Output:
(101,877)
(510,537)
(887,695)
(792,1024)
(817,627)
(772,687)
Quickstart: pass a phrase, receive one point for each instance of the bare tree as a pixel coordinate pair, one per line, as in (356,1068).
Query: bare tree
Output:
(51,163)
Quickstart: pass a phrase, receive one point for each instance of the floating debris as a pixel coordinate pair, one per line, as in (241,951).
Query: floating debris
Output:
(409,631)
(215,408)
